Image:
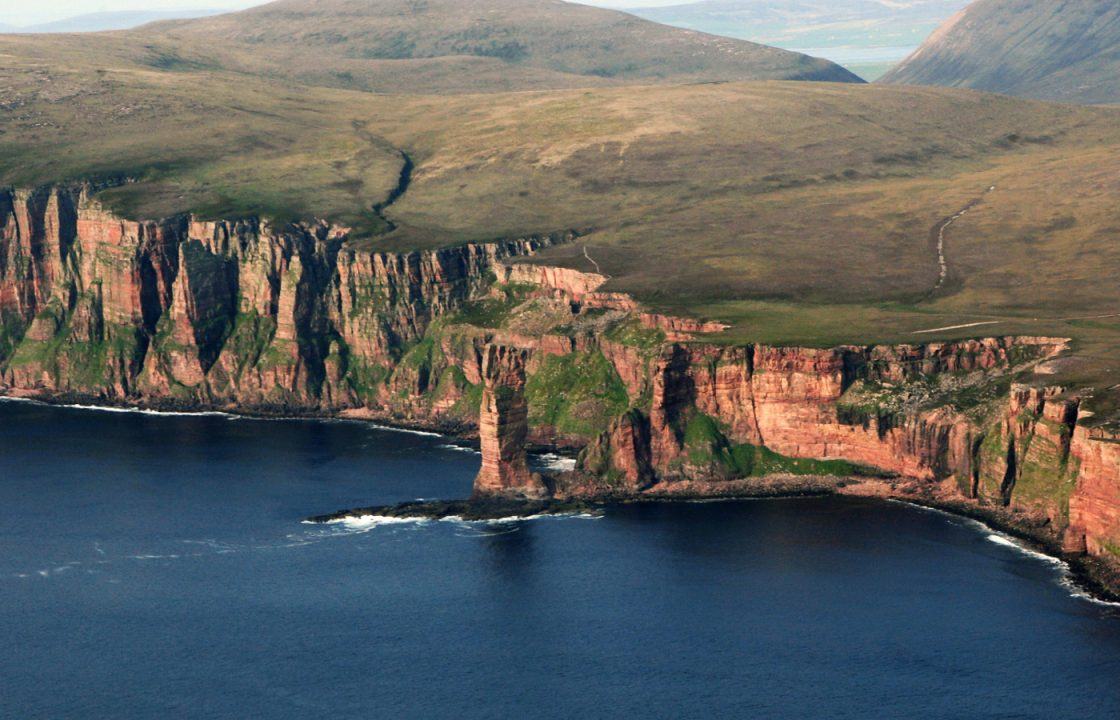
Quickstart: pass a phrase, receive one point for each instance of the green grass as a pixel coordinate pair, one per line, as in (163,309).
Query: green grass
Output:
(11,333)
(578,394)
(493,312)
(441,45)
(366,379)
(633,334)
(798,213)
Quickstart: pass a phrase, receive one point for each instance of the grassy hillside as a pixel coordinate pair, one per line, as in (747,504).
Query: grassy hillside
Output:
(481,45)
(1064,51)
(797,212)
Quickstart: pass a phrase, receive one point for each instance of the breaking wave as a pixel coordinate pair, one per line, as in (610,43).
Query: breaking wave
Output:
(553,462)
(460,448)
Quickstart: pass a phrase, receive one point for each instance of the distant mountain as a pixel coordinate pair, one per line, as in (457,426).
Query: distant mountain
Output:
(437,45)
(96,22)
(1048,49)
(859,34)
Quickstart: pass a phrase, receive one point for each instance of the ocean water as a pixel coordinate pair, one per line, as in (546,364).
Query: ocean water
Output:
(157,567)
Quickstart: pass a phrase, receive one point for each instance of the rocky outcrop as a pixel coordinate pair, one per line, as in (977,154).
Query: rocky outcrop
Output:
(503,427)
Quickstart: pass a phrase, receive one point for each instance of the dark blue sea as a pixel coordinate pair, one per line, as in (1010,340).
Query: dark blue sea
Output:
(157,567)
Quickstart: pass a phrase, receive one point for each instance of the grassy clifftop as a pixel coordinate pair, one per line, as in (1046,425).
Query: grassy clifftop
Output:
(797,212)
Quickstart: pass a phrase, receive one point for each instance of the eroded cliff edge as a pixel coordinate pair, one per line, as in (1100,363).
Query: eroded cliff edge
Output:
(258,317)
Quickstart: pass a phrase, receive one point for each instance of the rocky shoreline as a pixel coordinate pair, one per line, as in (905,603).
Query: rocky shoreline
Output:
(1099,579)
(479,343)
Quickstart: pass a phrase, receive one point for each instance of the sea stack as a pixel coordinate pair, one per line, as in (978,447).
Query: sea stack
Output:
(503,427)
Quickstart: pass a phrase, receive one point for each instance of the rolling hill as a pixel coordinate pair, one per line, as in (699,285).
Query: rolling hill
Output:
(796,212)
(479,45)
(1062,51)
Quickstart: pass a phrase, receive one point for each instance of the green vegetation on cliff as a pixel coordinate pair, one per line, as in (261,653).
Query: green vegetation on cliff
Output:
(577,394)
(707,447)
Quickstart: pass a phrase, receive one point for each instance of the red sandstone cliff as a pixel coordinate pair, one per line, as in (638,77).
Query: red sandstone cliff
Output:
(220,313)
(252,315)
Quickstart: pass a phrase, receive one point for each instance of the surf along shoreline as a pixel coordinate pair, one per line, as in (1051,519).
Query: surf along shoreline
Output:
(1088,577)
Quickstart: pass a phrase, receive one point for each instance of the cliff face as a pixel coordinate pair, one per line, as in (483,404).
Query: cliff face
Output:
(1094,504)
(221,313)
(248,315)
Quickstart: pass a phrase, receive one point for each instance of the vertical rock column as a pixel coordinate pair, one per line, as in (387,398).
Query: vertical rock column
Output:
(503,427)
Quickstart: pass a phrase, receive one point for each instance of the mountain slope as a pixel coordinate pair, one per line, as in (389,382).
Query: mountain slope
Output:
(1064,51)
(472,45)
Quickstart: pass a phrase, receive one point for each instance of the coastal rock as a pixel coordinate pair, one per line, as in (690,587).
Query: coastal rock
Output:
(1094,505)
(503,427)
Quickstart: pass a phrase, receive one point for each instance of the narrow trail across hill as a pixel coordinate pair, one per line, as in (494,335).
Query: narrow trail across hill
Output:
(592,261)
(1008,319)
(939,229)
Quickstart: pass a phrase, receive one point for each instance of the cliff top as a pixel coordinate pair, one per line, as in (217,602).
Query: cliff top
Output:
(808,213)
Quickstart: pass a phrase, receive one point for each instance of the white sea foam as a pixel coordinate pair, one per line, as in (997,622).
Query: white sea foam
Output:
(554,462)
(218,413)
(460,448)
(1009,542)
(522,518)
(409,431)
(367,522)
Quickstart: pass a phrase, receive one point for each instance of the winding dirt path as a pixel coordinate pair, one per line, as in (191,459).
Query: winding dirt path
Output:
(957,327)
(592,261)
(1015,319)
(940,228)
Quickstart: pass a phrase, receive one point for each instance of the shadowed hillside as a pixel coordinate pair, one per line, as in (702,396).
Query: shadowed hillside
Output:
(1064,51)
